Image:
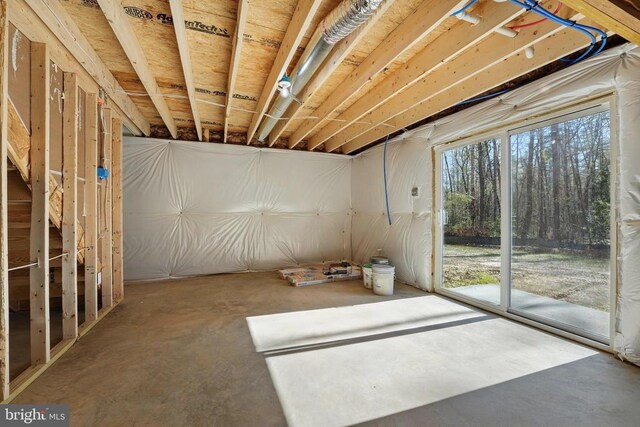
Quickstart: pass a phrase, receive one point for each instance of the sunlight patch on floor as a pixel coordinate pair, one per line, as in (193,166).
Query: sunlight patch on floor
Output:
(347,365)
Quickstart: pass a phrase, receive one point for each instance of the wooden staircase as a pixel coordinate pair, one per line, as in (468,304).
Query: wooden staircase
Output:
(19,206)
(19,214)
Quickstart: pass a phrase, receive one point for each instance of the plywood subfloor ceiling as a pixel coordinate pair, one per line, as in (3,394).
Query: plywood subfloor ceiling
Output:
(413,61)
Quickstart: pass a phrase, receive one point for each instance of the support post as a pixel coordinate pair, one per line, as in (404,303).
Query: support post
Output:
(4,274)
(116,189)
(39,240)
(91,208)
(69,208)
(105,193)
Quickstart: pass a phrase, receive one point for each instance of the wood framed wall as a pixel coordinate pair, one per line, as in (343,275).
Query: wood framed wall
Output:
(63,207)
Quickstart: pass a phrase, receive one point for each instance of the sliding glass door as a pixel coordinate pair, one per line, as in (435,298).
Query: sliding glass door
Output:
(471,232)
(560,178)
(524,222)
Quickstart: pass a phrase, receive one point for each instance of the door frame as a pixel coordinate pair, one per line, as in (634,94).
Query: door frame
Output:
(503,133)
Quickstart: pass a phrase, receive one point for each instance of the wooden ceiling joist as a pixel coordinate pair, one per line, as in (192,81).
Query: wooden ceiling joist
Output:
(63,27)
(302,16)
(185,58)
(620,16)
(465,66)
(435,55)
(548,50)
(426,18)
(338,54)
(243,11)
(404,57)
(119,22)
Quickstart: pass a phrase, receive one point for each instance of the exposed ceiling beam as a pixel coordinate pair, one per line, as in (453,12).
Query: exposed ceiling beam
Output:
(426,18)
(620,16)
(62,25)
(185,58)
(125,34)
(467,65)
(302,16)
(243,11)
(338,54)
(435,55)
(548,50)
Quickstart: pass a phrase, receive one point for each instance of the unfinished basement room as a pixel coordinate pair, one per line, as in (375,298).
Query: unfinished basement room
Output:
(320,213)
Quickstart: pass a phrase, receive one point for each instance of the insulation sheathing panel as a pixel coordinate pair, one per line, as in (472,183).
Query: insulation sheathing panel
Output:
(193,209)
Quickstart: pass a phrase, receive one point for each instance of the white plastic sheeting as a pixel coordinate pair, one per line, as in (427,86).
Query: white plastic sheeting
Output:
(194,209)
(408,240)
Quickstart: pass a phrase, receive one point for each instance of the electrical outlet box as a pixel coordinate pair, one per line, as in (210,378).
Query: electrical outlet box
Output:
(103,173)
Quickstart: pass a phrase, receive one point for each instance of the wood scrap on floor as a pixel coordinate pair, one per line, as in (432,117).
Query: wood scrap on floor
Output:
(316,274)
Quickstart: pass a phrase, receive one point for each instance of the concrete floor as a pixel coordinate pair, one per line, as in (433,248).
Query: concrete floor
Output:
(209,351)
(594,322)
(19,337)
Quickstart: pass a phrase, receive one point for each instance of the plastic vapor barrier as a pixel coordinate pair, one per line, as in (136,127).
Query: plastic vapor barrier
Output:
(195,208)
(408,240)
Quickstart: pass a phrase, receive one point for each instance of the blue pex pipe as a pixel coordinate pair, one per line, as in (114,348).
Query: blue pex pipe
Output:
(462,9)
(384,173)
(478,98)
(534,7)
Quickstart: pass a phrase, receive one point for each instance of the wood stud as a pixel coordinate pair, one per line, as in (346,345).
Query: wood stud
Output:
(4,274)
(69,208)
(91,208)
(105,213)
(117,220)
(39,241)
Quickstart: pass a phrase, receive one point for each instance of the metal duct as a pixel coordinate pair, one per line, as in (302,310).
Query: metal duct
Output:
(341,22)
(345,18)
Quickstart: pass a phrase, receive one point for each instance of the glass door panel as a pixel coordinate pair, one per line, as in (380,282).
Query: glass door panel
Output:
(471,220)
(560,273)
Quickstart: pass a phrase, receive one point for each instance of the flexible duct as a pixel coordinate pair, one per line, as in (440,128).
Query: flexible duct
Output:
(341,22)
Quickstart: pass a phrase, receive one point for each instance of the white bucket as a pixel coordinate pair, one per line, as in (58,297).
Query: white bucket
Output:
(367,275)
(383,276)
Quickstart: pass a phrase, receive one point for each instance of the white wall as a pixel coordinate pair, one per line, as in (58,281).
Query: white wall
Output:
(192,208)
(407,241)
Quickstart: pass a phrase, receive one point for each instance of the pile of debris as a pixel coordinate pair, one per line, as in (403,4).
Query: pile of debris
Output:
(315,274)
